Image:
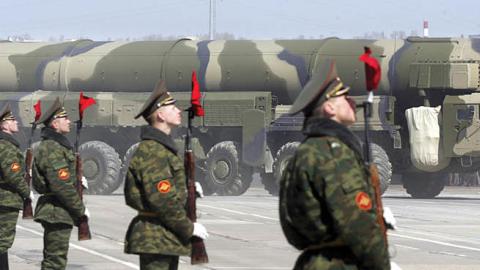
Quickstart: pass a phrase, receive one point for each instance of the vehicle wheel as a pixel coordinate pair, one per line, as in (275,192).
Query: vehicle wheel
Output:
(381,160)
(271,181)
(224,174)
(126,161)
(424,185)
(469,179)
(101,166)
(200,176)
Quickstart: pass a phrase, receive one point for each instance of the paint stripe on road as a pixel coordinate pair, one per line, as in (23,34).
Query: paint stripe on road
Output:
(237,212)
(434,241)
(87,250)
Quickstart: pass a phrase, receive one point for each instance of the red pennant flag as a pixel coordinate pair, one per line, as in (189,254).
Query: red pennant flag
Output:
(373,72)
(38,110)
(195,100)
(84,103)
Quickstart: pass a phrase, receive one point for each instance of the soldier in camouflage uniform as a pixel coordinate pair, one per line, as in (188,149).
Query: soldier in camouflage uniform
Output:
(54,176)
(13,188)
(327,202)
(155,186)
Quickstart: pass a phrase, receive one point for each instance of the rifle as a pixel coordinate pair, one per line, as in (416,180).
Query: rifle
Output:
(372,74)
(83,227)
(27,203)
(367,113)
(199,253)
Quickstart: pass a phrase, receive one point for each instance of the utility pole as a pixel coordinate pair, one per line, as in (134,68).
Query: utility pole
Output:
(211,23)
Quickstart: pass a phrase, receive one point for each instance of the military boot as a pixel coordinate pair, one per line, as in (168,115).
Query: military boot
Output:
(4,261)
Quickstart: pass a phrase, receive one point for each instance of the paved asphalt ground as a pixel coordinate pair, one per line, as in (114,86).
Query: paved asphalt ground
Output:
(441,233)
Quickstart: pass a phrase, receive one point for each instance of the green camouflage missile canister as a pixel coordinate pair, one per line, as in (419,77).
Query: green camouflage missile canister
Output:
(243,80)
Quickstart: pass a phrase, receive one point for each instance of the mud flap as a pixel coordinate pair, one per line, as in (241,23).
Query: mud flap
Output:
(254,137)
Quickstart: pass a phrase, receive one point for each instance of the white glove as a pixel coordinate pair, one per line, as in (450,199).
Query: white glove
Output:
(84,182)
(394,266)
(87,213)
(199,189)
(200,231)
(390,220)
(31,196)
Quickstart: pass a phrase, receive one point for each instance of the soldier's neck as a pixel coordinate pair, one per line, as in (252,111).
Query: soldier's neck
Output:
(162,126)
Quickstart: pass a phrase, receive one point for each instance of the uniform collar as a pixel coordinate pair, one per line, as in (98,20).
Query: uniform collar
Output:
(9,138)
(49,133)
(319,127)
(151,133)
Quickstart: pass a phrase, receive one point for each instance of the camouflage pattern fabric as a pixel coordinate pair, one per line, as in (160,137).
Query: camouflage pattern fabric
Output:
(156,187)
(55,238)
(8,221)
(13,188)
(158,262)
(327,202)
(54,176)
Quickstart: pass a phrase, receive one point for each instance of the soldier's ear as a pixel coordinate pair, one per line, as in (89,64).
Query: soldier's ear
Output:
(329,109)
(159,114)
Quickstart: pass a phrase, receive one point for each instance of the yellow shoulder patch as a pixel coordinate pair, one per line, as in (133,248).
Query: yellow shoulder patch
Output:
(363,201)
(164,186)
(15,167)
(63,174)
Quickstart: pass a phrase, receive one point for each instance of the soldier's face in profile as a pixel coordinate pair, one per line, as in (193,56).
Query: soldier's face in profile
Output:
(345,110)
(61,125)
(171,115)
(10,126)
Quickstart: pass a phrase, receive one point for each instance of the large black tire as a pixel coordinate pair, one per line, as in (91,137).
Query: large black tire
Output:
(381,160)
(125,162)
(424,185)
(101,166)
(200,176)
(271,182)
(223,172)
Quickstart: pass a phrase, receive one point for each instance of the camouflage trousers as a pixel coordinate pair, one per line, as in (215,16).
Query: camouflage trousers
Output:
(158,262)
(56,237)
(8,221)
(314,260)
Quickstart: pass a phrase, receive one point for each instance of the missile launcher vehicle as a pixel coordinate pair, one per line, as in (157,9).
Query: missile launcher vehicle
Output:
(426,112)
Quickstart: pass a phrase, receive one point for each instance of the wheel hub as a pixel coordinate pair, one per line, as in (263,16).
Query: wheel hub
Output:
(90,168)
(221,170)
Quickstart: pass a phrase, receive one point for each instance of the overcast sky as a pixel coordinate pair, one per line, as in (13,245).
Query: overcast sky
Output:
(251,19)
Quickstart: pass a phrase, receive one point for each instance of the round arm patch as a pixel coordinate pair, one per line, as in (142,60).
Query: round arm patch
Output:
(63,174)
(15,167)
(164,186)
(363,201)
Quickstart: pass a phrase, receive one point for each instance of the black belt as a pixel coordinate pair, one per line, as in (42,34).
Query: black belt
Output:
(343,254)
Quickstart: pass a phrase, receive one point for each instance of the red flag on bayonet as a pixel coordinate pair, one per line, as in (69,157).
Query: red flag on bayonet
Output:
(195,100)
(84,103)
(373,72)
(38,110)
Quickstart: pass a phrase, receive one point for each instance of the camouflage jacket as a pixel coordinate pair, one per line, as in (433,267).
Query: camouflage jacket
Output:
(13,188)
(327,199)
(54,176)
(156,187)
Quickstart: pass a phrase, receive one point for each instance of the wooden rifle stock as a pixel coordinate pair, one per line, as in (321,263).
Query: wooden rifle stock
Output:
(83,227)
(199,252)
(27,203)
(378,198)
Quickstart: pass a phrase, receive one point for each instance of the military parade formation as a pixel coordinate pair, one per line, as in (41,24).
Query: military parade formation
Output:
(330,207)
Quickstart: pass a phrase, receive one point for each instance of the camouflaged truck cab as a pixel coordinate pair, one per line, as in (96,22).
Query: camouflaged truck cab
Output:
(247,87)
